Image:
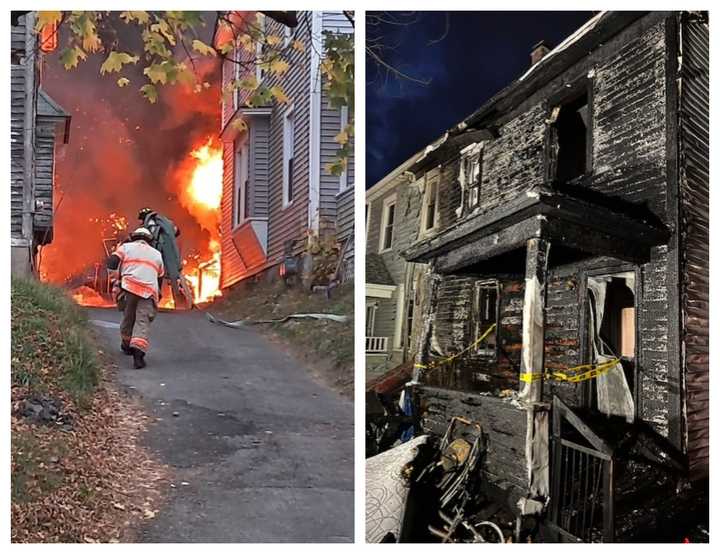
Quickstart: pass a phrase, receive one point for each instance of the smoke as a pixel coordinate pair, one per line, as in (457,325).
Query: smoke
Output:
(124,153)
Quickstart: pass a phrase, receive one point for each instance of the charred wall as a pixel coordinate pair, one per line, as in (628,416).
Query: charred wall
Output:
(627,78)
(694,260)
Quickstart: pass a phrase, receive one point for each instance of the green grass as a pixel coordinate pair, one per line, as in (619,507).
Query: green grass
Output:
(50,345)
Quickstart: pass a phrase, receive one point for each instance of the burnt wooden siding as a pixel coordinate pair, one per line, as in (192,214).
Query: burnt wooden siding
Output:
(503,423)
(627,77)
(694,205)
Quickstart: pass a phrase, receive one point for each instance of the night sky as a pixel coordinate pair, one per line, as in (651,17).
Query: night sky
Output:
(468,57)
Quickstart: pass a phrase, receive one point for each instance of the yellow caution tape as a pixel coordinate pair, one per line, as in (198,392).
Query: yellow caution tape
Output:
(443,361)
(571,375)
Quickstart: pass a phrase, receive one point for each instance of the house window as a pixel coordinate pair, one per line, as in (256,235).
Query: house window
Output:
(409,314)
(470,175)
(429,220)
(370,310)
(367,220)
(241,208)
(343,124)
(288,157)
(485,315)
(260,49)
(387,228)
(236,68)
(572,125)
(618,324)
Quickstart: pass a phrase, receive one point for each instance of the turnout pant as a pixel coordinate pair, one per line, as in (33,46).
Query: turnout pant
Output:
(138,312)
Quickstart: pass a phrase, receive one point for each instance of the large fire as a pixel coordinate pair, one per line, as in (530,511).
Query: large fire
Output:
(200,178)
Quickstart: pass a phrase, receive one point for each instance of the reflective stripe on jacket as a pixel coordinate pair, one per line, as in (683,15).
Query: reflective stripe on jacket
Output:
(140,268)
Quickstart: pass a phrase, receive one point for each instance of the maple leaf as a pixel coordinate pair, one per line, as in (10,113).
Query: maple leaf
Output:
(70,57)
(163,28)
(157,73)
(201,48)
(123,82)
(47,18)
(298,45)
(342,137)
(116,60)
(239,124)
(278,66)
(279,94)
(273,40)
(140,17)
(149,92)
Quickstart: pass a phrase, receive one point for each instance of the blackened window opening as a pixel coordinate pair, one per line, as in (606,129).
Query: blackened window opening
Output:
(485,316)
(572,136)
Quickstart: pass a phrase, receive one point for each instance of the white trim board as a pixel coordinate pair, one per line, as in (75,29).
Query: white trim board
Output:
(379,291)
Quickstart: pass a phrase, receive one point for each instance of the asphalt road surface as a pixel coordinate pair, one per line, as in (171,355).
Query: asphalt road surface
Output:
(260,451)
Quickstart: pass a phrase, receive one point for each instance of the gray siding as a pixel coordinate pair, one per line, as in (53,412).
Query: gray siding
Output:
(17,153)
(330,117)
(258,192)
(44,179)
(346,224)
(291,222)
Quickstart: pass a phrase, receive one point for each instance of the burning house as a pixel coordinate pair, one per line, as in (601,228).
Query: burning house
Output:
(277,192)
(126,154)
(557,271)
(38,125)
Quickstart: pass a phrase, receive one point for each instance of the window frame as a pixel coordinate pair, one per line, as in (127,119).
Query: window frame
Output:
(387,203)
(478,325)
(288,192)
(571,92)
(432,179)
(241,156)
(370,307)
(469,156)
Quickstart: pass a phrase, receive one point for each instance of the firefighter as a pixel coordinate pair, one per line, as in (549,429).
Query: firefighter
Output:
(164,232)
(141,269)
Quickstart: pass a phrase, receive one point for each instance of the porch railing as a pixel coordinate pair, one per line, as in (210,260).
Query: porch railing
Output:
(582,482)
(375,345)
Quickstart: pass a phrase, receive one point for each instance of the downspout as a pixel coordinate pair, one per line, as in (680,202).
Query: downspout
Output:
(29,134)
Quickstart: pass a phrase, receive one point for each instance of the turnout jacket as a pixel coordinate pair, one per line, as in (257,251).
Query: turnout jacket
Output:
(140,267)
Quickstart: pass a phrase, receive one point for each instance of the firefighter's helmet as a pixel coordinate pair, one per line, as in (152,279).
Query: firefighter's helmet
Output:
(141,233)
(142,214)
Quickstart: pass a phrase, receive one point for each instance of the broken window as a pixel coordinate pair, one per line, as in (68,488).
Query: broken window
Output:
(485,313)
(388,224)
(409,314)
(572,124)
(470,176)
(430,203)
(612,341)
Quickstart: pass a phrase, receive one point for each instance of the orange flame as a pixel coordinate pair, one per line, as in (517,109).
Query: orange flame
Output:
(201,197)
